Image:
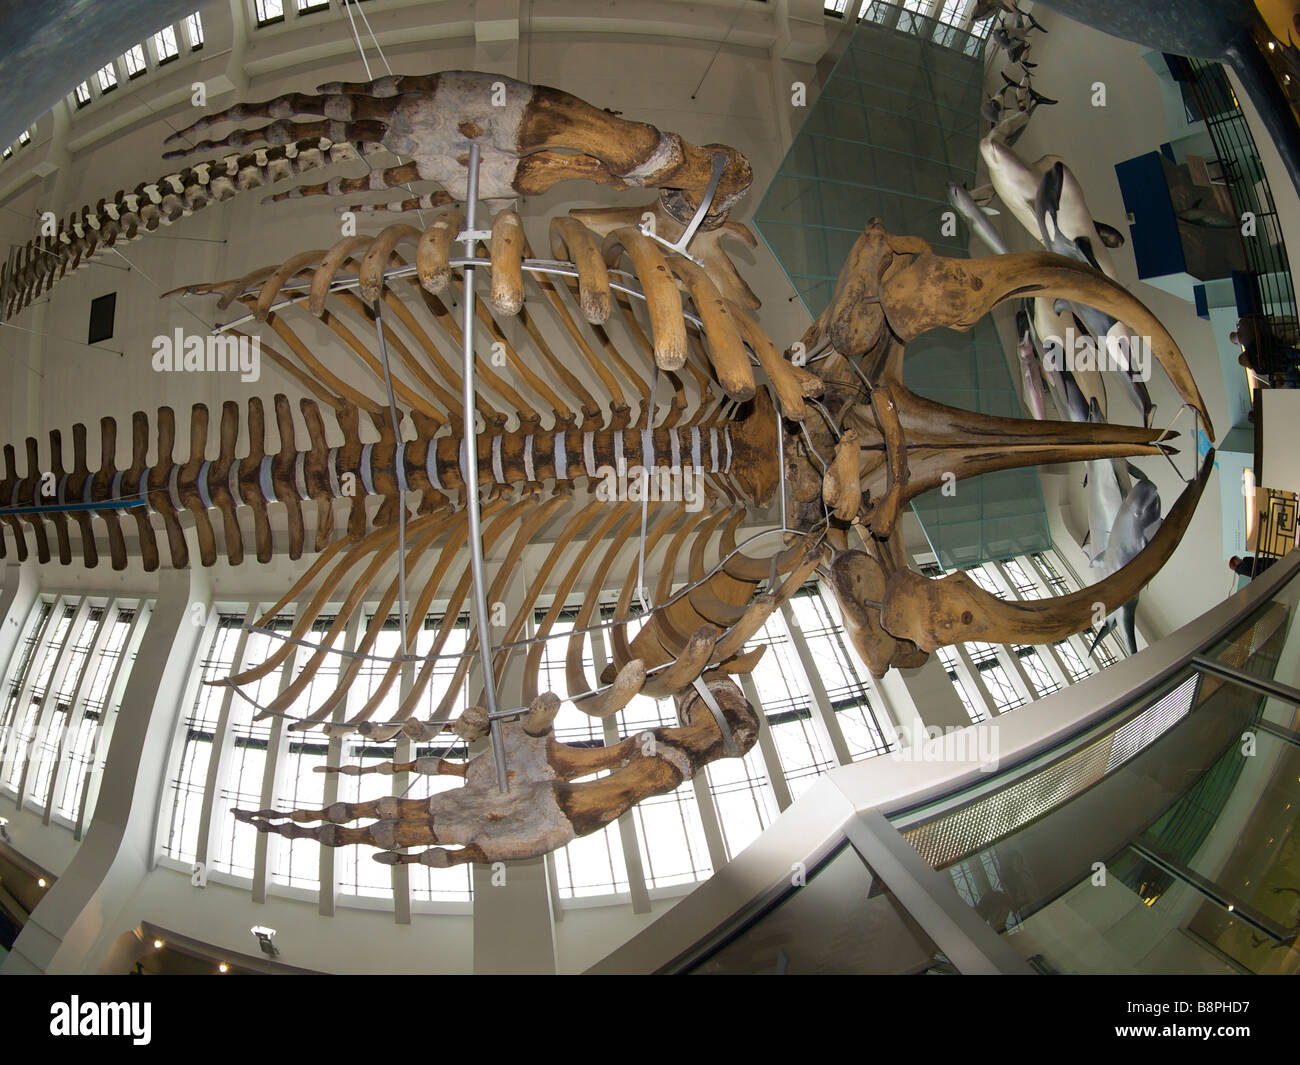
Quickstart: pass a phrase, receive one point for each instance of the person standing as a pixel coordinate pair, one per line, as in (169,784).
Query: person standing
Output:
(1250,566)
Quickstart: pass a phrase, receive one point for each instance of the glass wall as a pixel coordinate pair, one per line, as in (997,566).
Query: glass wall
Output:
(895,122)
(62,694)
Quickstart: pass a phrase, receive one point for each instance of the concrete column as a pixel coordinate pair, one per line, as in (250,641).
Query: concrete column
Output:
(932,693)
(899,700)
(20,594)
(971,674)
(268,843)
(1047,654)
(801,42)
(74,924)
(893,703)
(234,80)
(328,894)
(513,929)
(218,756)
(1039,578)
(828,729)
(496,37)
(626,825)
(767,745)
(709,822)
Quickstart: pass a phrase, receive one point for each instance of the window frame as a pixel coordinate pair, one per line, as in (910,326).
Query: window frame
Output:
(130,57)
(159,44)
(194,36)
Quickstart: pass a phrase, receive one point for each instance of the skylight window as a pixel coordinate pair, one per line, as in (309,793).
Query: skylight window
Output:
(82,94)
(135,62)
(165,45)
(305,6)
(194,31)
(107,78)
(268,11)
(25,137)
(952,11)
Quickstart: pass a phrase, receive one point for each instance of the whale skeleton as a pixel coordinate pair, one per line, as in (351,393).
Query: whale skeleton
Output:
(615,316)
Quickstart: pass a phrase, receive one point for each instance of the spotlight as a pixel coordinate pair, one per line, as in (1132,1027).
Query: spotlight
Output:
(40,882)
(223,968)
(1272,46)
(157,944)
(264,937)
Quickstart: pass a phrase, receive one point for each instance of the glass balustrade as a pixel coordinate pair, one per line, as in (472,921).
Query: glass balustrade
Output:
(1156,837)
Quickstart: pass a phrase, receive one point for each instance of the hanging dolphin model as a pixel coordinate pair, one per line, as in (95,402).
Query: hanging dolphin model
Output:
(1031,370)
(1027,99)
(1135,525)
(1105,500)
(1104,328)
(977,217)
(1014,44)
(1012,15)
(1017,185)
(993,110)
(1047,324)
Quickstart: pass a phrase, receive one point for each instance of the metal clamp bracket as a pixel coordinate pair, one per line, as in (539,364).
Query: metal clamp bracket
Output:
(711,190)
(728,740)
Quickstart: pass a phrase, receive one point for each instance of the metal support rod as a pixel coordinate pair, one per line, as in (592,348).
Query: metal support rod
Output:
(470,460)
(401,499)
(1264,685)
(1286,735)
(1214,893)
(645,500)
(780,458)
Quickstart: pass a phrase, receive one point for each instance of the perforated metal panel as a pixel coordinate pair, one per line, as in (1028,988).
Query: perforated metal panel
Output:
(952,836)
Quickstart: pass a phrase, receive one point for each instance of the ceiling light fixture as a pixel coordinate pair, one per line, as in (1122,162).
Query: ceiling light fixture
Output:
(223,968)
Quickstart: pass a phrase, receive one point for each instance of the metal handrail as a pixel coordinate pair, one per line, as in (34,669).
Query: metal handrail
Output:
(1108,715)
(1266,254)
